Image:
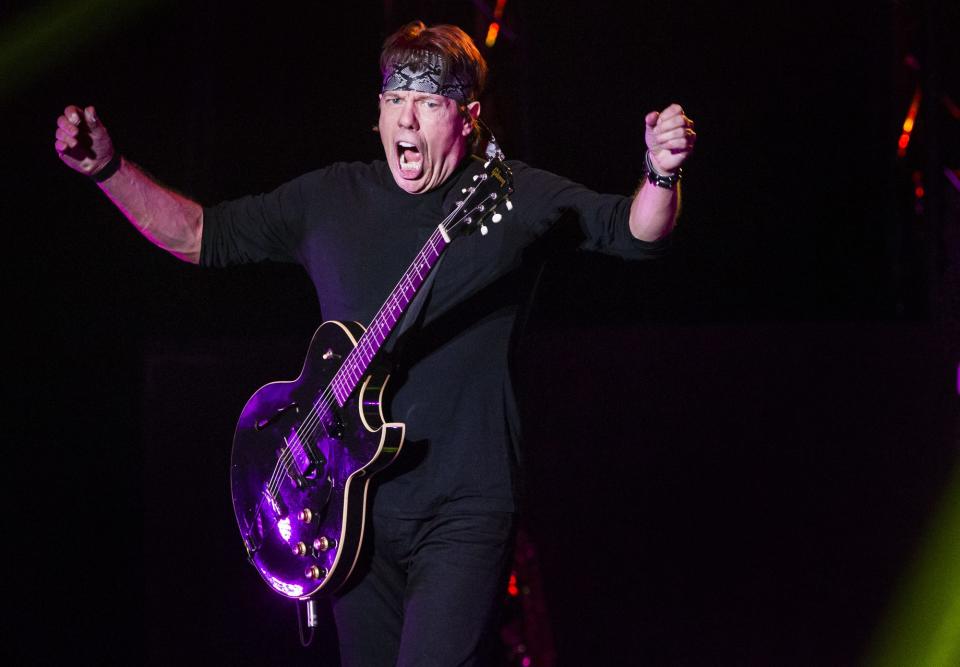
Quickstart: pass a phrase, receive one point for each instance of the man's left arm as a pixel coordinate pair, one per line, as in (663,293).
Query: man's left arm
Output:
(670,138)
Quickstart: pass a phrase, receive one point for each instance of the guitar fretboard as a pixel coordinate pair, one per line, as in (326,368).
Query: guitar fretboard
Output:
(355,366)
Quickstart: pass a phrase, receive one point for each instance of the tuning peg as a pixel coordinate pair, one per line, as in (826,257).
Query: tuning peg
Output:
(476,176)
(463,191)
(483,230)
(496,217)
(509,205)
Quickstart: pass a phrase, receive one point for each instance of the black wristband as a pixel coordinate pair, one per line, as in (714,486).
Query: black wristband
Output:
(668,182)
(112,166)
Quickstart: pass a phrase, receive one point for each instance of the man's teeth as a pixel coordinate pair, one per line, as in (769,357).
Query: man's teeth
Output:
(404,164)
(405,148)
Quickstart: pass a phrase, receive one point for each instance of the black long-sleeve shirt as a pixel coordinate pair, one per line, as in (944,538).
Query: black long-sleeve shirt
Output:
(355,232)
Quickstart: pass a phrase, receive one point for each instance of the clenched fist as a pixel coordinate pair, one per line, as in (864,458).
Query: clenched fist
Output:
(82,141)
(670,138)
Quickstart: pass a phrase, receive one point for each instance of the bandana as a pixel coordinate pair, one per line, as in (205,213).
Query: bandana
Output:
(427,77)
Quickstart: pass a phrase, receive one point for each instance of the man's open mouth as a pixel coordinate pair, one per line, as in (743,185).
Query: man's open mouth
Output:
(411,161)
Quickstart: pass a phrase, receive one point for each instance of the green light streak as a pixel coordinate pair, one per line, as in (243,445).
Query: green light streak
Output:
(48,35)
(922,628)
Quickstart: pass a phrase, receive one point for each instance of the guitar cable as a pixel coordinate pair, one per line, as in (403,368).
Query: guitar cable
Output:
(312,621)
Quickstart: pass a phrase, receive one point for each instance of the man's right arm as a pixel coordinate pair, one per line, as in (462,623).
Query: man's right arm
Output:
(168,219)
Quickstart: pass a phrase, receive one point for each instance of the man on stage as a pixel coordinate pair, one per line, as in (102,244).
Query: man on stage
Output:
(443,516)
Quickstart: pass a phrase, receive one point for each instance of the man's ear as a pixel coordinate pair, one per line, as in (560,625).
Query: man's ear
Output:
(473,111)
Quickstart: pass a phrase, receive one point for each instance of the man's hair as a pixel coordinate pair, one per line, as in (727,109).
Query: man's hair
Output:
(459,54)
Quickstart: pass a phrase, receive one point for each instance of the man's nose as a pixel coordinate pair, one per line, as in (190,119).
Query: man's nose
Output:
(408,118)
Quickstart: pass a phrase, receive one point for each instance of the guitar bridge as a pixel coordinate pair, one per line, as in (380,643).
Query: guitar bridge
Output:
(276,504)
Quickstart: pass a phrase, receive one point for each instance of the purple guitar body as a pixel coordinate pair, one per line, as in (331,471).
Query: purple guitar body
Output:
(305,451)
(313,516)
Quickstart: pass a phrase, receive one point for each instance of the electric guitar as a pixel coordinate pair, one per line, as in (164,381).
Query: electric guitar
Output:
(305,451)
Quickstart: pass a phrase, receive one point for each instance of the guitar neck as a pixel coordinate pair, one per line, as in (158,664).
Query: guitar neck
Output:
(355,366)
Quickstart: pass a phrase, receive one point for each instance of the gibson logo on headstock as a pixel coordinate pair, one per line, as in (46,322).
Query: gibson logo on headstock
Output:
(497,175)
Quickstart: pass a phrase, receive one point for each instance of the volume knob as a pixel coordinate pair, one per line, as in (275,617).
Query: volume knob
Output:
(305,515)
(299,549)
(323,543)
(315,572)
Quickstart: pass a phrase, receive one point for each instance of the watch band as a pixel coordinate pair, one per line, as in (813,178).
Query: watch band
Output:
(109,169)
(658,179)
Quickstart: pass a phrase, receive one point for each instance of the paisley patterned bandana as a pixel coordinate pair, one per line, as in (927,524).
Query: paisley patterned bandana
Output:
(427,76)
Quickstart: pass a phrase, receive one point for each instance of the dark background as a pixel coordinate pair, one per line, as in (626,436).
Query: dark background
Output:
(733,452)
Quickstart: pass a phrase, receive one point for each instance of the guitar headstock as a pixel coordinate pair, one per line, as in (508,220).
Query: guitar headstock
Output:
(490,189)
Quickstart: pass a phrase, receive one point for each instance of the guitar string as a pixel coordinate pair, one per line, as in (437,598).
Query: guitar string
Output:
(391,304)
(296,447)
(307,427)
(350,366)
(337,382)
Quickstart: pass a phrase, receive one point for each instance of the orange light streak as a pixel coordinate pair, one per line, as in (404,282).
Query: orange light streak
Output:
(908,123)
(492,34)
(494,28)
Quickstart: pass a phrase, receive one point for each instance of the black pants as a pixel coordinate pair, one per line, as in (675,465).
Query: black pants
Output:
(429,594)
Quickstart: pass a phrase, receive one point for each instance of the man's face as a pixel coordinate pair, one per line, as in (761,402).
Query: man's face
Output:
(424,137)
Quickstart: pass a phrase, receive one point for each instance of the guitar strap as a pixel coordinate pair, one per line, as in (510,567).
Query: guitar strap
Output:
(414,314)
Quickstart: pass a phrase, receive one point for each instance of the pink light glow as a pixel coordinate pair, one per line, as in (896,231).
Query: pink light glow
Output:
(283,525)
(290,590)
